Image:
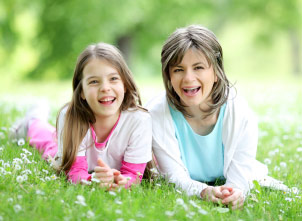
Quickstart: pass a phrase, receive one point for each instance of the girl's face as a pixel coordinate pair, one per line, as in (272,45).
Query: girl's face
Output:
(103,88)
(193,79)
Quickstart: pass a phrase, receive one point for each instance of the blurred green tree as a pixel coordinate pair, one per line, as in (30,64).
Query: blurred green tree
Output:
(64,28)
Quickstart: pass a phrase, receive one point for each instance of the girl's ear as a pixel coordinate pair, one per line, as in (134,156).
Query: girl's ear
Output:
(215,80)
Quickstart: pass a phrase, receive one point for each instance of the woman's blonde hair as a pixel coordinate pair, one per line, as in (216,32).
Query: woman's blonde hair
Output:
(79,115)
(200,39)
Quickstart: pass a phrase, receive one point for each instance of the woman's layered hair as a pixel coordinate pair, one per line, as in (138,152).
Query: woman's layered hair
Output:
(79,115)
(201,40)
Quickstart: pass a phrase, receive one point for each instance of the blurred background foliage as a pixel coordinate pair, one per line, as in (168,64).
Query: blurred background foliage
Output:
(41,39)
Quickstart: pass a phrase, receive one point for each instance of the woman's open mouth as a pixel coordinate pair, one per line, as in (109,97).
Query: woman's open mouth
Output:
(191,91)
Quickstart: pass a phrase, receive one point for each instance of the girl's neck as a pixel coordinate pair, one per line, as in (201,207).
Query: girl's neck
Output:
(103,126)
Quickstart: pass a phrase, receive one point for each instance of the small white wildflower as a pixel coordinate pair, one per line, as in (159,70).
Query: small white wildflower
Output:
(1,218)
(62,201)
(53,177)
(194,204)
(6,165)
(139,214)
(10,200)
(93,189)
(267,161)
(118,202)
(190,214)
(17,161)
(119,219)
(17,167)
(80,200)
(19,197)
(250,205)
(26,152)
(158,184)
(42,179)
(25,177)
(112,193)
(118,211)
(85,182)
(221,210)
(282,155)
(154,170)
(19,179)
(169,213)
(281,211)
(17,208)
(289,199)
(40,192)
(299,149)
(45,171)
(257,191)
(299,197)
(21,142)
(294,190)
(283,164)
(47,178)
(2,135)
(27,171)
(95,180)
(2,162)
(266,202)
(181,202)
(178,191)
(276,168)
(1,149)
(202,211)
(27,161)
(90,214)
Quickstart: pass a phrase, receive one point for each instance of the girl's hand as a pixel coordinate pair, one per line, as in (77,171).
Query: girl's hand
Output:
(236,199)
(104,173)
(216,194)
(120,180)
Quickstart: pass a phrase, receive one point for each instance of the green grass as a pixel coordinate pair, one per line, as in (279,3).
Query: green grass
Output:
(44,196)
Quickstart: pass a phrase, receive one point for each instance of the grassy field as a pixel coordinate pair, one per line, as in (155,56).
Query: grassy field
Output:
(30,190)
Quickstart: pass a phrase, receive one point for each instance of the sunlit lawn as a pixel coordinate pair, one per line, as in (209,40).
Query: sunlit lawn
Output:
(30,190)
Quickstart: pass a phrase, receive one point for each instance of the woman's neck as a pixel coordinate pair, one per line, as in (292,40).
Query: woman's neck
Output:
(103,126)
(200,122)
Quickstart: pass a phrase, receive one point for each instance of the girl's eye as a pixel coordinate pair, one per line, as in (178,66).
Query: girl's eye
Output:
(93,82)
(114,78)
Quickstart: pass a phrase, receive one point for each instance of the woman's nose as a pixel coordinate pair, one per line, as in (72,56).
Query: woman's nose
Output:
(189,75)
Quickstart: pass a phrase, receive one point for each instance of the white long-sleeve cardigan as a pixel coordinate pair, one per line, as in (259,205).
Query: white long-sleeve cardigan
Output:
(239,137)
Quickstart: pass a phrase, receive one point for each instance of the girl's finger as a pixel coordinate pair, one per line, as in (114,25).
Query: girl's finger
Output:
(101,163)
(101,169)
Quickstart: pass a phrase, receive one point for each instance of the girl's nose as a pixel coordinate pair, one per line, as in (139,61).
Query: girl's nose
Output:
(104,87)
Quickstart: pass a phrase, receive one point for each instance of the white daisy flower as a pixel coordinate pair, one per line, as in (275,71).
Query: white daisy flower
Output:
(21,142)
(17,208)
(19,179)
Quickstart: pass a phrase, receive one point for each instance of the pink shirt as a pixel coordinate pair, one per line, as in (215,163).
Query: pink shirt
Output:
(79,169)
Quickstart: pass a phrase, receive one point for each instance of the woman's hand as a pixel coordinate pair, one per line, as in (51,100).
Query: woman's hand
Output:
(235,199)
(216,193)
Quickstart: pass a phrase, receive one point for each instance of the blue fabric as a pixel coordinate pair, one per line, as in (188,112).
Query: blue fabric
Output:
(203,156)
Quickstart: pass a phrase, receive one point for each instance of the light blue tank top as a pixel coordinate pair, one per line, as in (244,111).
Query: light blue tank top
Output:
(203,156)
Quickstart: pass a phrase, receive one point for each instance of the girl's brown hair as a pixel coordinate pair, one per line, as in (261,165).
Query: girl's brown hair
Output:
(201,39)
(79,115)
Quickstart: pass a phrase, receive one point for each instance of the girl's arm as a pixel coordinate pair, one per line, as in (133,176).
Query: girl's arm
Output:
(79,170)
(133,171)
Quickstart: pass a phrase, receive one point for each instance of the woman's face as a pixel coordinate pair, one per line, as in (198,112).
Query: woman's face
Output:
(193,79)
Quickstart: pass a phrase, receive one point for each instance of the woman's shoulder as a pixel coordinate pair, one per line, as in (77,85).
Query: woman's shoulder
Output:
(157,103)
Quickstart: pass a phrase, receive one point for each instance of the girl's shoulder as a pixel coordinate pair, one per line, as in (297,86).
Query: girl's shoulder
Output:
(135,114)
(157,104)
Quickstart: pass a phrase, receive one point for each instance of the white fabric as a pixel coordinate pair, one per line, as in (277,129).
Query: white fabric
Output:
(130,141)
(239,137)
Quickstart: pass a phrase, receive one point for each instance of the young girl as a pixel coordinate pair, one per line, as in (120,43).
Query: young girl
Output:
(103,129)
(202,130)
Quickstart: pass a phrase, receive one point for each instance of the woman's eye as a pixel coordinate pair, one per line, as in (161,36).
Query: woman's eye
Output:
(177,70)
(199,67)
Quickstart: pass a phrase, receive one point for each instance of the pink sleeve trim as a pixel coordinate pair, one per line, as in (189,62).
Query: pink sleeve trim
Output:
(79,170)
(132,170)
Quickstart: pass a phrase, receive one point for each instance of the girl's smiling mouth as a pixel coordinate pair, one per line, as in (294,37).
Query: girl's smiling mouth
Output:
(107,100)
